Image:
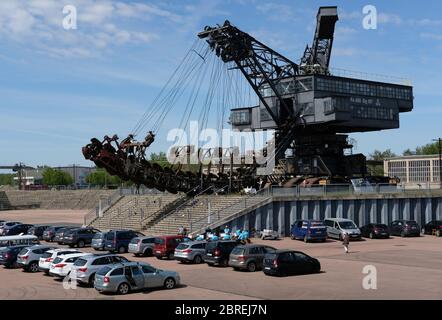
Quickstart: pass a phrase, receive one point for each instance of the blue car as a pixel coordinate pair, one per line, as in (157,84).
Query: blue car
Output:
(308,230)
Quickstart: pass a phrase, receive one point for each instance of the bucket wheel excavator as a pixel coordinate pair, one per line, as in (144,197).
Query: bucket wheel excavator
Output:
(310,110)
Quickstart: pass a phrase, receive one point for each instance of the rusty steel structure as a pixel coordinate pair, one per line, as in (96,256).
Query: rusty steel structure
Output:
(310,109)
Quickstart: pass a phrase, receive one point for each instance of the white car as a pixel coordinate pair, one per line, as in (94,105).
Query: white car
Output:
(48,257)
(62,265)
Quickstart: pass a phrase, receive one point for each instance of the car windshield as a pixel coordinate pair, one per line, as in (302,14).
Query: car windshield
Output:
(99,235)
(110,236)
(23,251)
(80,262)
(211,245)
(182,246)
(57,260)
(103,271)
(347,225)
(238,251)
(159,241)
(134,241)
(47,254)
(317,224)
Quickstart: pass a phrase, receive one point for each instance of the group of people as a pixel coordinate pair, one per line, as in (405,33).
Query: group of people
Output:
(240,235)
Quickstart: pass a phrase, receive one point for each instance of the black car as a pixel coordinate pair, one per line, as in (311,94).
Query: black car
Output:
(289,262)
(79,237)
(59,235)
(375,230)
(404,228)
(218,252)
(49,233)
(17,229)
(433,227)
(8,256)
(37,231)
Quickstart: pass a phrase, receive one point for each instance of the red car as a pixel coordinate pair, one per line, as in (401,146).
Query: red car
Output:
(165,245)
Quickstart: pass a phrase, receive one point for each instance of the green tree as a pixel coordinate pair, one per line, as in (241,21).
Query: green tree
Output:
(408,152)
(429,148)
(54,177)
(101,177)
(159,158)
(377,155)
(6,179)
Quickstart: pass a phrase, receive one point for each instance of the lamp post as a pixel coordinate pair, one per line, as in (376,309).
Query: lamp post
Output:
(439,140)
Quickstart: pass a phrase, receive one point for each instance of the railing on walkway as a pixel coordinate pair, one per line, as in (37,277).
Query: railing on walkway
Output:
(103,205)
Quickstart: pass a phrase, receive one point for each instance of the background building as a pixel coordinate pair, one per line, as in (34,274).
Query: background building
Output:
(414,170)
(78,173)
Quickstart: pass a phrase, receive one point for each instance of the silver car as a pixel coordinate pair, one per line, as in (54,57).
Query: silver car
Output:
(190,251)
(98,241)
(142,246)
(125,277)
(85,268)
(29,257)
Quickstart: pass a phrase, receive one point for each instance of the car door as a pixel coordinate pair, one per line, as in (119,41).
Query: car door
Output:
(152,278)
(138,276)
(302,263)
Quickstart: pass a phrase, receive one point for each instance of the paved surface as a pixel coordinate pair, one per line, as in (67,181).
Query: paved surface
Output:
(409,268)
(41,216)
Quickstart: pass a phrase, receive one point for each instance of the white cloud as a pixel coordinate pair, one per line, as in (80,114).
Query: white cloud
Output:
(101,25)
(277,11)
(385,18)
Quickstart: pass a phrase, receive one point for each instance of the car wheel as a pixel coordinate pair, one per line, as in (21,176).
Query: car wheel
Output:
(210,264)
(236,269)
(123,288)
(370,235)
(197,260)
(121,249)
(147,253)
(91,280)
(33,267)
(251,267)
(71,246)
(80,243)
(169,283)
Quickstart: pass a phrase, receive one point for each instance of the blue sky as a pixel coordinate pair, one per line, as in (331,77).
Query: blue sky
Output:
(59,87)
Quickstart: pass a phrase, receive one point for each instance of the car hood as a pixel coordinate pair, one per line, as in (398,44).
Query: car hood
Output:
(351,231)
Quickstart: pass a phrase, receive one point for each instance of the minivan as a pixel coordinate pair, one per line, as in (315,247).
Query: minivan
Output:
(337,226)
(308,230)
(118,240)
(165,245)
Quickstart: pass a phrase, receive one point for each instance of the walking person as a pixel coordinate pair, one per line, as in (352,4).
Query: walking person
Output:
(345,241)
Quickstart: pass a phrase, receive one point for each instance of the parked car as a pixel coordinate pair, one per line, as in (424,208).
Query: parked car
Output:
(142,246)
(85,268)
(433,227)
(59,235)
(62,265)
(98,241)
(118,240)
(48,257)
(124,277)
(49,233)
(17,229)
(191,251)
(269,234)
(337,226)
(37,231)
(8,256)
(405,228)
(375,230)
(308,230)
(6,225)
(289,262)
(218,252)
(249,257)
(165,245)
(79,237)
(29,257)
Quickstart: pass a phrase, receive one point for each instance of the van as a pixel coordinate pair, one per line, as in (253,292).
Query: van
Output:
(165,245)
(337,226)
(118,240)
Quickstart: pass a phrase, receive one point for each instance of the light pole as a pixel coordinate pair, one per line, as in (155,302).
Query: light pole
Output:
(439,140)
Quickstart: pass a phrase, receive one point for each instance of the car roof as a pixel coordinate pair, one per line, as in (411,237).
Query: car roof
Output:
(194,242)
(338,219)
(39,246)
(62,249)
(75,254)
(286,250)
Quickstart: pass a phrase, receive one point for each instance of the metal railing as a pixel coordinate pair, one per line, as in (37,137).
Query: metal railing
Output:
(103,205)
(218,217)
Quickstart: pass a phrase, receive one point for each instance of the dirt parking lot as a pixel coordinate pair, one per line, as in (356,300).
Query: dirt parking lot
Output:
(407,268)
